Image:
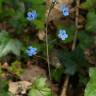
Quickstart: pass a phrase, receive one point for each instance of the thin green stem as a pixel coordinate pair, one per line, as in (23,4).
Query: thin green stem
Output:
(47,43)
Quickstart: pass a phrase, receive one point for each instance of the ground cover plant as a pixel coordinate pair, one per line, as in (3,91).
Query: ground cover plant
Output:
(47,47)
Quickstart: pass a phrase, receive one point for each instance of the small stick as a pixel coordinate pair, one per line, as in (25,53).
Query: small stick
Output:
(76,24)
(65,86)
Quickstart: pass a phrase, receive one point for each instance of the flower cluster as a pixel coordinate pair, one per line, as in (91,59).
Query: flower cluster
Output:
(62,34)
(31,51)
(65,10)
(32,15)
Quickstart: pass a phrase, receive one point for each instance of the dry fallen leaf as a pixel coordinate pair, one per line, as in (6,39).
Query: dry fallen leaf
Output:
(41,35)
(54,59)
(14,87)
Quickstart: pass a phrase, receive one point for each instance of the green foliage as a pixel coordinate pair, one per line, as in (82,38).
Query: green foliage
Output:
(37,2)
(9,45)
(91,86)
(16,68)
(32,2)
(85,40)
(78,56)
(39,88)
(57,74)
(72,61)
(91,21)
(1,1)
(16,13)
(88,4)
(69,64)
(39,22)
(41,9)
(83,79)
(13,14)
(4,87)
(0,69)
(38,45)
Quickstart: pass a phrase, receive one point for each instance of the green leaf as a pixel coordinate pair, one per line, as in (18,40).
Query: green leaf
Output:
(34,92)
(12,46)
(88,4)
(79,57)
(85,40)
(40,83)
(92,73)
(57,74)
(91,86)
(4,36)
(36,2)
(39,88)
(16,68)
(1,1)
(39,24)
(83,79)
(16,46)
(43,92)
(91,21)
(4,87)
(66,61)
(46,91)
(9,45)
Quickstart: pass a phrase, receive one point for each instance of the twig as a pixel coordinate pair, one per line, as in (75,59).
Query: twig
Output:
(76,24)
(47,49)
(65,85)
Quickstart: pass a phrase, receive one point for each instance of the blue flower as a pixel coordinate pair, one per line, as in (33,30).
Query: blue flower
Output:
(62,34)
(31,51)
(31,15)
(65,10)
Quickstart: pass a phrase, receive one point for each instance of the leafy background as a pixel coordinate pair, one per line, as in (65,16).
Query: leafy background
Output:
(17,33)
